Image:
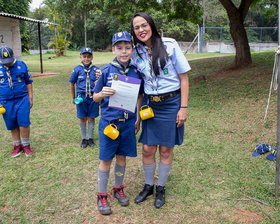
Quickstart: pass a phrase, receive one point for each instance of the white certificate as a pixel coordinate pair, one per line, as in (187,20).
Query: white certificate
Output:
(127,90)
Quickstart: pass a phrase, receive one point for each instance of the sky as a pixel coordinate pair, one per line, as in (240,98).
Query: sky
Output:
(35,4)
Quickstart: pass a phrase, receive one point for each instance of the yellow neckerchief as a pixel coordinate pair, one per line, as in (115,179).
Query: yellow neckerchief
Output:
(87,71)
(9,74)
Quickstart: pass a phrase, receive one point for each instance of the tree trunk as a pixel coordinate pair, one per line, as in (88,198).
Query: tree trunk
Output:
(237,30)
(239,36)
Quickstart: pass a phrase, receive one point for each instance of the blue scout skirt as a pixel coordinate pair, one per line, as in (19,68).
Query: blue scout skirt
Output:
(162,128)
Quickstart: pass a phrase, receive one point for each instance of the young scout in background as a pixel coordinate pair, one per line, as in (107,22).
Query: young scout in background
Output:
(84,76)
(127,123)
(16,100)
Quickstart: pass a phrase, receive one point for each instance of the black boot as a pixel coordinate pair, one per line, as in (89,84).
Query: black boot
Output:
(160,197)
(145,193)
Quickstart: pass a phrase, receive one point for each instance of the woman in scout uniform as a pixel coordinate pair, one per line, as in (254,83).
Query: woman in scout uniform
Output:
(16,100)
(127,123)
(166,83)
(85,76)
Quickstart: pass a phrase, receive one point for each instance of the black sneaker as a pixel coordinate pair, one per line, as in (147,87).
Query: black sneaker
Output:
(160,197)
(103,204)
(119,194)
(84,143)
(145,193)
(91,142)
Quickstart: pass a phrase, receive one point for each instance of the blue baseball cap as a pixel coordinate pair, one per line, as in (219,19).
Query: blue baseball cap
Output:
(121,36)
(86,50)
(272,155)
(6,55)
(261,148)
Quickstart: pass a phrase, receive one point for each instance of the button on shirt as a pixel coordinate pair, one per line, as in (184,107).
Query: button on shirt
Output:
(79,77)
(108,71)
(16,87)
(168,79)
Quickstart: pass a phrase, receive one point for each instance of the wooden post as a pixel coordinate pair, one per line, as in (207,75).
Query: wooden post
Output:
(40,44)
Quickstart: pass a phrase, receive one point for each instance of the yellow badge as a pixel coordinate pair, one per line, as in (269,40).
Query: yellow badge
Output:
(116,76)
(5,54)
(119,34)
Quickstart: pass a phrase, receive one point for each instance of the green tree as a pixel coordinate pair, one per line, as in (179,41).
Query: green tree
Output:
(17,7)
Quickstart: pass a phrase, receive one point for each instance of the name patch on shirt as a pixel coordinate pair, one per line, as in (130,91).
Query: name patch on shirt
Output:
(80,77)
(110,77)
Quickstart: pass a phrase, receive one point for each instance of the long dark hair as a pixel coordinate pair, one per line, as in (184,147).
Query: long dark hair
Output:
(158,50)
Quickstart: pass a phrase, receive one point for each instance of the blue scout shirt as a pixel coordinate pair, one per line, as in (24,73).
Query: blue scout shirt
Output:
(108,71)
(79,76)
(16,87)
(168,79)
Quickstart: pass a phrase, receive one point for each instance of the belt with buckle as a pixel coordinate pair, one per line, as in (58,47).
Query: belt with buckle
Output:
(118,120)
(159,98)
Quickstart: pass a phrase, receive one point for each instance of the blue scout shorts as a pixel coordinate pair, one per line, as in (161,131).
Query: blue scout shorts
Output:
(124,145)
(88,108)
(17,113)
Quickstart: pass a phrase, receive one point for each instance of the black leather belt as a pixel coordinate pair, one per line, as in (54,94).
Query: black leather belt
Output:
(159,98)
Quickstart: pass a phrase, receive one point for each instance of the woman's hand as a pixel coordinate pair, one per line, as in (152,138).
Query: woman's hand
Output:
(181,116)
(98,74)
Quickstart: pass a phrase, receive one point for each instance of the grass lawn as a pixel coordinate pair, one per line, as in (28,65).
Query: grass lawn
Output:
(213,179)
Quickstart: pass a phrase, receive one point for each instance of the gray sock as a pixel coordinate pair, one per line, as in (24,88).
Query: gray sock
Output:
(119,175)
(149,173)
(163,173)
(90,129)
(103,177)
(17,143)
(83,128)
(25,141)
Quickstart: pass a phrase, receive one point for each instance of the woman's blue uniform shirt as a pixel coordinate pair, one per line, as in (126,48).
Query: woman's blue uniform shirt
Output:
(20,78)
(108,71)
(168,79)
(79,76)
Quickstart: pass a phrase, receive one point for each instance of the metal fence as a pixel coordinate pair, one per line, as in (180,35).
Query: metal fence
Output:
(218,39)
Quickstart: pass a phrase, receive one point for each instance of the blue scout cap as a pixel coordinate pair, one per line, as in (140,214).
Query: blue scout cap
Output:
(121,36)
(6,55)
(261,148)
(272,156)
(86,50)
